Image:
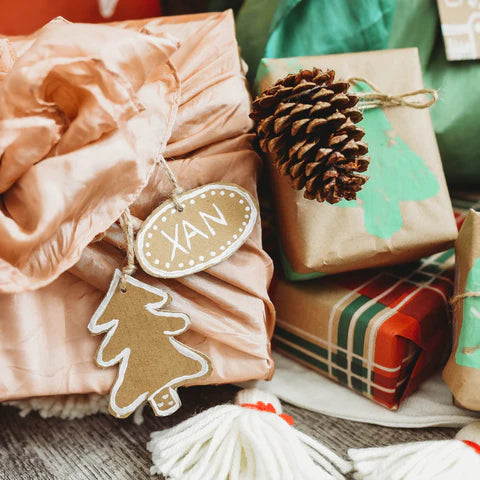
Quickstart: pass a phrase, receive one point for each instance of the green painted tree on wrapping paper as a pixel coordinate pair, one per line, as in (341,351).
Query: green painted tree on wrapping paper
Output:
(468,352)
(397,174)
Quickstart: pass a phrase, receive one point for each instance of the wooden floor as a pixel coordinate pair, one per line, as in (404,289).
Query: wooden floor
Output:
(103,448)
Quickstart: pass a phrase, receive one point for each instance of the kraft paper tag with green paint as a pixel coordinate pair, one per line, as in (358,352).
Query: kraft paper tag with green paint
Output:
(462,372)
(403,211)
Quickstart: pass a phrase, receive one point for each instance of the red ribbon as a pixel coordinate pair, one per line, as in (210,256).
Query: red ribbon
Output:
(268,407)
(473,445)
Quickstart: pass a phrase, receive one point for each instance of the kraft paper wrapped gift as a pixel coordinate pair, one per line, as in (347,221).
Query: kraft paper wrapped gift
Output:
(403,211)
(76,153)
(380,332)
(462,372)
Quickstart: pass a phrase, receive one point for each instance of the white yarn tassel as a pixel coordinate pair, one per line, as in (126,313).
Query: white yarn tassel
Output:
(242,443)
(439,460)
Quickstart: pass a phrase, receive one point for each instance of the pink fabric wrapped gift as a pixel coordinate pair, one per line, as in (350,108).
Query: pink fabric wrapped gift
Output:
(84,110)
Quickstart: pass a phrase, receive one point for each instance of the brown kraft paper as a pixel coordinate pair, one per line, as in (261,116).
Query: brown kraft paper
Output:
(318,237)
(464,381)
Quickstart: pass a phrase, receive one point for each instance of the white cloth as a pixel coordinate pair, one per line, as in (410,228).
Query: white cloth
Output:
(431,405)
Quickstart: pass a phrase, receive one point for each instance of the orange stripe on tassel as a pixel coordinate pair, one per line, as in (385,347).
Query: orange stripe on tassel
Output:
(268,407)
(473,445)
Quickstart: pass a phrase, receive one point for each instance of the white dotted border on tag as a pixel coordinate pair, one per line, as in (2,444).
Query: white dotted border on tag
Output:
(152,265)
(123,357)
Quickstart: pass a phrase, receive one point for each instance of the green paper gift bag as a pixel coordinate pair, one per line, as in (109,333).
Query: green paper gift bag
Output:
(462,372)
(455,117)
(403,211)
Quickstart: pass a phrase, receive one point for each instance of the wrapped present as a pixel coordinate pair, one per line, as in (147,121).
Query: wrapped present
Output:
(77,153)
(380,332)
(462,372)
(403,211)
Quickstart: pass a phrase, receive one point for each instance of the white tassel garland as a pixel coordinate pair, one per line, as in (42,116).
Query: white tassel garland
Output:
(432,460)
(250,442)
(62,406)
(68,407)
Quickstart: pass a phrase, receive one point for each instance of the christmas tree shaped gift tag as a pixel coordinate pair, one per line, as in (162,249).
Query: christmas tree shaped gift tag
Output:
(140,338)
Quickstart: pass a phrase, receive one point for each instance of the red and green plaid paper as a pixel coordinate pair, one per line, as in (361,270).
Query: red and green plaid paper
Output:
(379,332)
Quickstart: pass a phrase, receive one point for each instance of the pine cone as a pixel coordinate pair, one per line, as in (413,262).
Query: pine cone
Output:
(307,122)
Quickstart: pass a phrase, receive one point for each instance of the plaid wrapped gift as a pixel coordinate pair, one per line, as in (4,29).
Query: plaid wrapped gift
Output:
(380,332)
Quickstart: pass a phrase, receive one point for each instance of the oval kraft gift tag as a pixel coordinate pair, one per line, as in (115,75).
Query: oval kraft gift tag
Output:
(216,220)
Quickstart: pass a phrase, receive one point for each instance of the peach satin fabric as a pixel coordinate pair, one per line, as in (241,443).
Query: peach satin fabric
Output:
(84,109)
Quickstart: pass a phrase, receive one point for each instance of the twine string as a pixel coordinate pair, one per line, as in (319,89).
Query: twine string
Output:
(462,296)
(126,224)
(129,266)
(177,189)
(377,98)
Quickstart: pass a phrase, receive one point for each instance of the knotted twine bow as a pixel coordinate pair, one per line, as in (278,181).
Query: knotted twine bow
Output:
(377,98)
(126,223)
